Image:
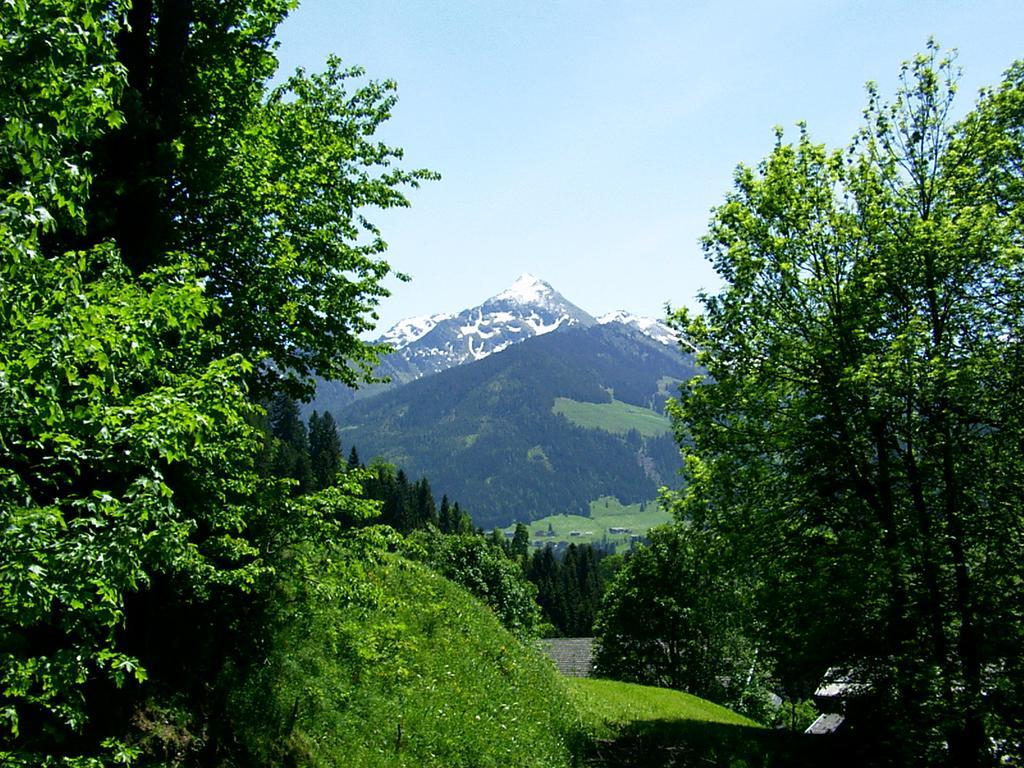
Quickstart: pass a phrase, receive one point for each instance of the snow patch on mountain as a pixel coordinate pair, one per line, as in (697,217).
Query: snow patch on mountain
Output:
(649,326)
(539,327)
(527,289)
(529,307)
(405,332)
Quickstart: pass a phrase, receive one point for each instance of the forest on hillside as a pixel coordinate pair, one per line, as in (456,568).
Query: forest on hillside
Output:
(488,434)
(191,575)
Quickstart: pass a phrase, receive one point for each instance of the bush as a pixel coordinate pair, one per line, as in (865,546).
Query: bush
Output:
(483,568)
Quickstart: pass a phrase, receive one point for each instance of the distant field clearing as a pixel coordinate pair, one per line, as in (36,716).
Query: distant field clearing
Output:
(616,417)
(606,513)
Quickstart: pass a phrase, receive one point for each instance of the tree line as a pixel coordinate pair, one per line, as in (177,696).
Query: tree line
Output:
(183,244)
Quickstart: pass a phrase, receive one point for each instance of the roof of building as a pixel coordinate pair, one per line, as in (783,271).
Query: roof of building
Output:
(827,723)
(839,684)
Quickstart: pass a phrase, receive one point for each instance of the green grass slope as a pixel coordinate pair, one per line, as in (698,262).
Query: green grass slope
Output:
(636,726)
(615,417)
(607,706)
(407,670)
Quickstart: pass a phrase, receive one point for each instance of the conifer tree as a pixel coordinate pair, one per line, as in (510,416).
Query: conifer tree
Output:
(497,538)
(520,545)
(423,509)
(353,459)
(445,522)
(291,452)
(324,450)
(463,523)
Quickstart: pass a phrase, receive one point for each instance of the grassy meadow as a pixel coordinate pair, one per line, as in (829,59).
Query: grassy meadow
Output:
(407,670)
(606,706)
(636,726)
(616,417)
(606,512)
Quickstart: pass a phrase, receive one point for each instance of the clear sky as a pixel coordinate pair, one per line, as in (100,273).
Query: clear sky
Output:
(585,141)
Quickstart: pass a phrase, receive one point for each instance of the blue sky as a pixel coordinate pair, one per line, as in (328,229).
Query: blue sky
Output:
(585,142)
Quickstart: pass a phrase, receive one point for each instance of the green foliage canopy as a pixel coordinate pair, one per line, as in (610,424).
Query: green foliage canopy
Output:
(268,190)
(174,242)
(672,618)
(486,571)
(856,440)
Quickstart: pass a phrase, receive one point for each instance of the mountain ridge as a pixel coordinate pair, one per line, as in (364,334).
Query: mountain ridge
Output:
(529,307)
(425,345)
(525,291)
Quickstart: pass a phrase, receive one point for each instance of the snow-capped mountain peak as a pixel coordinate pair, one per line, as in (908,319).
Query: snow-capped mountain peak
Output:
(648,326)
(527,289)
(529,307)
(405,332)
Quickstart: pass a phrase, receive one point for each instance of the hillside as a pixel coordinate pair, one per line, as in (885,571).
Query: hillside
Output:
(409,670)
(637,726)
(604,514)
(608,705)
(423,346)
(490,434)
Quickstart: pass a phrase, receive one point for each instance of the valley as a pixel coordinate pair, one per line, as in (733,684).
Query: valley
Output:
(238,530)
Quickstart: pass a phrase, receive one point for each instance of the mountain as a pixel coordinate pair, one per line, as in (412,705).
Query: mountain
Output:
(530,307)
(655,329)
(543,427)
(430,344)
(405,332)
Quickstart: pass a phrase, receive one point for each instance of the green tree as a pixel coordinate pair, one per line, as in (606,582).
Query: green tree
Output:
(177,243)
(291,456)
(398,508)
(353,459)
(569,591)
(424,510)
(324,450)
(670,619)
(543,572)
(484,568)
(850,440)
(266,190)
(445,521)
(988,157)
(498,539)
(461,520)
(590,589)
(519,547)
(125,439)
